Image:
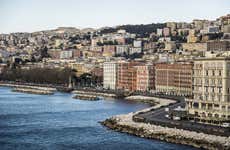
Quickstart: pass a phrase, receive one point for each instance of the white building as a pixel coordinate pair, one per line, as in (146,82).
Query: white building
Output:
(66,54)
(122,49)
(133,50)
(109,75)
(137,43)
(213,29)
(121,31)
(160,32)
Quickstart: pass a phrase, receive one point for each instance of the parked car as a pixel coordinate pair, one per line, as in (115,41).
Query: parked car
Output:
(166,109)
(176,118)
(166,116)
(226,125)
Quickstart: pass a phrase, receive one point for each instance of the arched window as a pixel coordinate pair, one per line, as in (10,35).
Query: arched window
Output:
(216,116)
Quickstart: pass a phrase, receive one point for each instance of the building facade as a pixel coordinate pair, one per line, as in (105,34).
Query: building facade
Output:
(218,45)
(145,77)
(194,46)
(211,94)
(110,75)
(174,79)
(122,49)
(127,75)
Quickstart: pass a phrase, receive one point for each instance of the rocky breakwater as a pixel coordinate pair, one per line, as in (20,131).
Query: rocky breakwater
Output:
(125,123)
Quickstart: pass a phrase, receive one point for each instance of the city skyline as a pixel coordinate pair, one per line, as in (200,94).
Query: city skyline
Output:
(30,16)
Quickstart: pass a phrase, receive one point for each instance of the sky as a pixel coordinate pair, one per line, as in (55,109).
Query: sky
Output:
(36,15)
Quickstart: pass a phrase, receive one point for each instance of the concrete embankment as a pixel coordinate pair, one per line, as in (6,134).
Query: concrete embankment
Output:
(98,94)
(28,86)
(30,89)
(33,91)
(86,97)
(125,123)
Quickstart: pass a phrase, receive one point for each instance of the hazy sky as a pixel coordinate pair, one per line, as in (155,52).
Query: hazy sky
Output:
(35,15)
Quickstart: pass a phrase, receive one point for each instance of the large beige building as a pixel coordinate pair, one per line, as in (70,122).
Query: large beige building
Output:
(211,90)
(194,46)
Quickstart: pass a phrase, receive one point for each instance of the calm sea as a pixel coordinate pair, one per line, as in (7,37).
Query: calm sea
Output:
(58,122)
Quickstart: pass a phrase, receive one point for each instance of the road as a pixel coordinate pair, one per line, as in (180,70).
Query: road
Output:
(158,117)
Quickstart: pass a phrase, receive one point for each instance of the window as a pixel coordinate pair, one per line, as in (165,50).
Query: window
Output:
(206,97)
(206,72)
(220,90)
(213,97)
(206,81)
(223,107)
(213,82)
(216,115)
(196,114)
(219,98)
(209,115)
(213,72)
(219,82)
(209,106)
(220,73)
(195,105)
(203,105)
(216,105)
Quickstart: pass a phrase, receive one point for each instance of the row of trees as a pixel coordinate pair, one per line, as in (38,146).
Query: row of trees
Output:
(37,75)
(142,30)
(88,80)
(50,76)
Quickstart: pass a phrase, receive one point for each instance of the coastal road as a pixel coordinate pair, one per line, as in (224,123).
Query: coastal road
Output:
(158,117)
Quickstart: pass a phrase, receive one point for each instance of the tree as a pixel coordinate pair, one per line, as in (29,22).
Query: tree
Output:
(44,52)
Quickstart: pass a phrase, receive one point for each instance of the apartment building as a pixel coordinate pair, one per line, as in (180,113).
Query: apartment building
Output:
(127,75)
(211,90)
(174,79)
(122,49)
(110,75)
(145,77)
(218,45)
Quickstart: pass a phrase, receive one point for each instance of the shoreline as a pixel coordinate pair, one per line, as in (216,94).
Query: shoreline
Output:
(28,86)
(60,88)
(125,124)
(30,89)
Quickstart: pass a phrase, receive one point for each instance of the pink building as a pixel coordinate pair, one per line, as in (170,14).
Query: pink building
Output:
(166,31)
(109,50)
(54,54)
(77,53)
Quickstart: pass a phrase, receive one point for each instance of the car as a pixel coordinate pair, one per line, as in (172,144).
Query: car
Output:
(225,125)
(166,116)
(176,118)
(166,109)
